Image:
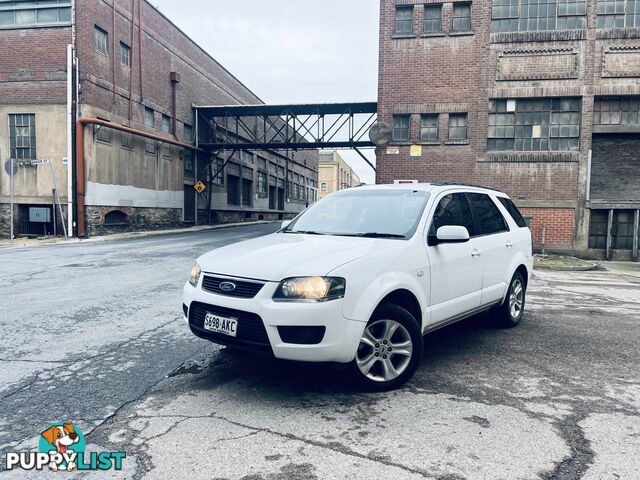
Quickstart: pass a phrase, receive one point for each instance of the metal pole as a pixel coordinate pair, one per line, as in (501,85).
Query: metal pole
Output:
(609,227)
(636,232)
(57,197)
(543,239)
(69,139)
(12,181)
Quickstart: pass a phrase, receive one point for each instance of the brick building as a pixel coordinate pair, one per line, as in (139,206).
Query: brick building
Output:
(132,62)
(539,98)
(335,174)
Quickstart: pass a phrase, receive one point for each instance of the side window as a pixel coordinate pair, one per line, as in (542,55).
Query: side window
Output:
(513,211)
(453,209)
(490,220)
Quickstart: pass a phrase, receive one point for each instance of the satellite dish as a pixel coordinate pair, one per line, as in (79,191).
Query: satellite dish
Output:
(380,133)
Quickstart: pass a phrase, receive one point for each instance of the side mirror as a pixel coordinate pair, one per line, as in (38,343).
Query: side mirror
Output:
(285,224)
(452,234)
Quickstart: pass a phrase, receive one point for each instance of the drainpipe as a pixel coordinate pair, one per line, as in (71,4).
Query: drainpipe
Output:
(69,139)
(175,80)
(140,48)
(80,187)
(133,22)
(113,56)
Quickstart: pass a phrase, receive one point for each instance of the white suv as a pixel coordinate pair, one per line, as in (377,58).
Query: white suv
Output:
(362,275)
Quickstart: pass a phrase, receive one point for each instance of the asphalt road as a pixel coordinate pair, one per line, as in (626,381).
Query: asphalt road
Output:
(92,334)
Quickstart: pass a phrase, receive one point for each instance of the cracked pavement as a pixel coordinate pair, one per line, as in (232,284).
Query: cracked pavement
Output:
(92,334)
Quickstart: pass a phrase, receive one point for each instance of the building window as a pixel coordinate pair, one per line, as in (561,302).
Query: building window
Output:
(457,126)
(103,134)
(116,217)
(126,140)
(323,186)
(150,145)
(262,163)
(32,14)
(617,111)
(187,133)
(538,15)
(433,19)
(534,124)
(125,54)
(261,182)
(148,117)
(166,124)
(100,40)
(621,229)
(217,171)
(22,136)
(401,127)
(461,17)
(618,13)
(404,20)
(429,128)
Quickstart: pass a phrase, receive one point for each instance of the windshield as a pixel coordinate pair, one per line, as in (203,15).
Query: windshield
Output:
(384,213)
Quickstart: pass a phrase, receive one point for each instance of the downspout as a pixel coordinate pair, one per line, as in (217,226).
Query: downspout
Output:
(133,22)
(140,48)
(80,187)
(175,80)
(113,37)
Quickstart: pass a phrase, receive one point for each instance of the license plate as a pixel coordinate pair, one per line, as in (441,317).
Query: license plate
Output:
(218,324)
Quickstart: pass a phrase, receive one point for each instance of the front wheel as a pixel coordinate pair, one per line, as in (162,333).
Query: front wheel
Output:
(390,349)
(511,311)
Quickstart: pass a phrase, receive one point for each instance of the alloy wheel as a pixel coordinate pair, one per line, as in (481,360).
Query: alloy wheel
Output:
(385,350)
(516,298)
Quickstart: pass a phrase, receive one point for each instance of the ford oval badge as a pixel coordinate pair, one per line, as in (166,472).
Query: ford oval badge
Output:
(227,286)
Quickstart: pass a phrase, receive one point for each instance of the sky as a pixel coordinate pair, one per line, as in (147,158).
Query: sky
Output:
(291,51)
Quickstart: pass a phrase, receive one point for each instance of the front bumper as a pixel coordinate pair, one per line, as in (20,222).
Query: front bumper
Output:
(260,317)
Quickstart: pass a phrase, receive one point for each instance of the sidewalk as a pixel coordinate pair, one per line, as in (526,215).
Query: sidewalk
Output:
(27,242)
(626,268)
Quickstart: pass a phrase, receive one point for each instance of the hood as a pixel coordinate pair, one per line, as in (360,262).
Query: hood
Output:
(279,255)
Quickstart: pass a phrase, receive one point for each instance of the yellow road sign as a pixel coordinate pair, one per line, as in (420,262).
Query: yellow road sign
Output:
(200,187)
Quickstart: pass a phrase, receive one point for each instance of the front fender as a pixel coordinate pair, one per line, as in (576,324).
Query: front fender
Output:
(517,260)
(362,305)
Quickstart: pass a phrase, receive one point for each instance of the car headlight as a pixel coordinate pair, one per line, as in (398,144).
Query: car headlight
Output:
(314,289)
(195,274)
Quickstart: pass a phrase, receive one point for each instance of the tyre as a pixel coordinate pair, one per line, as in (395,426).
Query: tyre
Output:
(510,312)
(390,349)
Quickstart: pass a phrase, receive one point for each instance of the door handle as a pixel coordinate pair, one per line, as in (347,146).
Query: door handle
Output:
(509,244)
(476,253)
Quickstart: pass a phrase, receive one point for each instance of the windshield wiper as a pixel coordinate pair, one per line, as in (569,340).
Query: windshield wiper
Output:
(375,235)
(307,232)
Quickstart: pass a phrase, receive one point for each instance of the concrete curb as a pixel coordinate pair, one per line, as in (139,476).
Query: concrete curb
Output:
(131,235)
(584,266)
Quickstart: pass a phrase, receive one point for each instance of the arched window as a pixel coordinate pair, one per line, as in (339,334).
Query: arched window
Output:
(115,217)
(323,187)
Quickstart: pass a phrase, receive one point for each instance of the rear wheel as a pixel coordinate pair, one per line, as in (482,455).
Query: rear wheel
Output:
(511,311)
(390,349)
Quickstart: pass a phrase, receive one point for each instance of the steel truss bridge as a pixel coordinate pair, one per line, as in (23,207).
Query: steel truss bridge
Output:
(285,127)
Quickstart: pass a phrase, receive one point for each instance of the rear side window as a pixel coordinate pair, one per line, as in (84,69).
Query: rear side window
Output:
(453,209)
(489,218)
(513,211)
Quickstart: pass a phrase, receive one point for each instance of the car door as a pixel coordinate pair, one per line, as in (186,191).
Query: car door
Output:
(456,268)
(495,244)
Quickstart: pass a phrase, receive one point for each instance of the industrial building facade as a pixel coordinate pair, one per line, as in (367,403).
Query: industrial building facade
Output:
(335,174)
(539,98)
(137,70)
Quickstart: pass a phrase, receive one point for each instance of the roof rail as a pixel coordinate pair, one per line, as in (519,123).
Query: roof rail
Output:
(458,184)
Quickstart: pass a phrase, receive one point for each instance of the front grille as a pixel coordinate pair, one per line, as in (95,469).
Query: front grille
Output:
(244,289)
(251,332)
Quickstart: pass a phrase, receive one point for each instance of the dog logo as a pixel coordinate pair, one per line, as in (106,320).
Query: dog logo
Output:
(227,286)
(62,448)
(64,439)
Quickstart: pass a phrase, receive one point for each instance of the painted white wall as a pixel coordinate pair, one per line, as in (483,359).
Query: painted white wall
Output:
(99,194)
